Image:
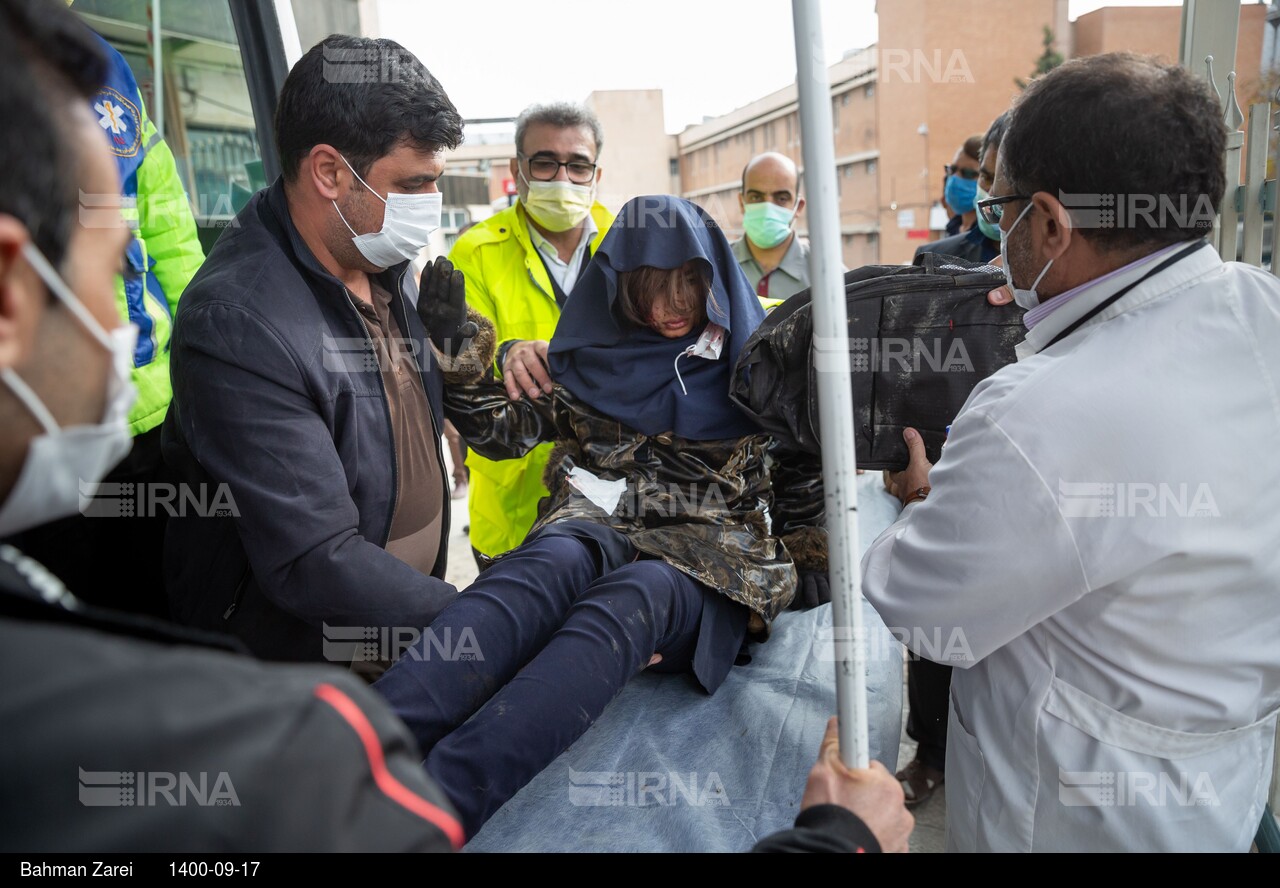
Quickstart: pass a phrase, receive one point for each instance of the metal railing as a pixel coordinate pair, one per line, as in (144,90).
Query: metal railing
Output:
(1248,209)
(1247,218)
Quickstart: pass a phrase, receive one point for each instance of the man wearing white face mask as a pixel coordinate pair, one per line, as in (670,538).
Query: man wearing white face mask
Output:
(520,265)
(1092,544)
(90,693)
(307,374)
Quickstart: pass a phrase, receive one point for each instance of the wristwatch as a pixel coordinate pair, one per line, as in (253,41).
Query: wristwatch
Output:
(918,494)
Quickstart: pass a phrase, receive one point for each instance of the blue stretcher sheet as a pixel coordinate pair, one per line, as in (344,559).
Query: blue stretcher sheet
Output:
(667,768)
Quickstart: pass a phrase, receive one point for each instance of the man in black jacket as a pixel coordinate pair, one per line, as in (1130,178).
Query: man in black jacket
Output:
(123,734)
(974,242)
(307,374)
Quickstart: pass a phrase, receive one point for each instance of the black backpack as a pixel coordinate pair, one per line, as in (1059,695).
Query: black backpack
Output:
(920,338)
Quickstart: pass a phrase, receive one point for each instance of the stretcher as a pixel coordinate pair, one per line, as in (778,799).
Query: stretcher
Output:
(667,768)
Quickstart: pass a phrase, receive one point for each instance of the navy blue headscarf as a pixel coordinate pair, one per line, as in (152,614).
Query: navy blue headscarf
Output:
(628,372)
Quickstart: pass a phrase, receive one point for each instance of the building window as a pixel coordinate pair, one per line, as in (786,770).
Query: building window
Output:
(869,91)
(847,170)
(207,118)
(675,166)
(844,99)
(871,167)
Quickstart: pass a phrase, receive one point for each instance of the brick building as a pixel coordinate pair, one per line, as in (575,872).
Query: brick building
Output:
(942,71)
(712,155)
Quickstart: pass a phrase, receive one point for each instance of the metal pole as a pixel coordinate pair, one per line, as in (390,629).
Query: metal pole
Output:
(157,69)
(835,395)
(1255,166)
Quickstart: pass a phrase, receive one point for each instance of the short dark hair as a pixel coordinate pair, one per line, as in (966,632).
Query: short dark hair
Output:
(1123,125)
(365,97)
(48,59)
(995,133)
(972,146)
(561,115)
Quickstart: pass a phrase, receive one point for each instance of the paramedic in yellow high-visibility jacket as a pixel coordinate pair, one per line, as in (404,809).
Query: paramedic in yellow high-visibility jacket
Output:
(520,265)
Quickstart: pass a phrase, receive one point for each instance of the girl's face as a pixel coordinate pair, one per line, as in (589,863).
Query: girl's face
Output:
(676,310)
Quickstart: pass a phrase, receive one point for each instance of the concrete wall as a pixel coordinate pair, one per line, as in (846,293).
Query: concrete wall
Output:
(636,159)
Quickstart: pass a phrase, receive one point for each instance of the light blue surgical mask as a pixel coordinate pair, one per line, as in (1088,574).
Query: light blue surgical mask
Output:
(767,224)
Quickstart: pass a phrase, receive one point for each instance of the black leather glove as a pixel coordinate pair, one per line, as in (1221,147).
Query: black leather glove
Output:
(812,591)
(442,305)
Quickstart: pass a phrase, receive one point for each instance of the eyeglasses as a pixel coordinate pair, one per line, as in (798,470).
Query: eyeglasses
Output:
(545,169)
(992,209)
(962,172)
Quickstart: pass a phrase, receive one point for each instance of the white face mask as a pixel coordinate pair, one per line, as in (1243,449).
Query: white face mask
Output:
(62,461)
(407,224)
(557,206)
(1027,299)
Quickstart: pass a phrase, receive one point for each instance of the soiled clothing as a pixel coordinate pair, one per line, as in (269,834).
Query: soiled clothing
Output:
(415,528)
(526,659)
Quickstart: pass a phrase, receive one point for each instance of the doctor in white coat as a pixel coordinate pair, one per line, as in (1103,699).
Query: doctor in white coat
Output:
(1098,549)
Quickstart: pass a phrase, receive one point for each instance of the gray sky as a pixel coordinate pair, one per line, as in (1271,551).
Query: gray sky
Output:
(494,57)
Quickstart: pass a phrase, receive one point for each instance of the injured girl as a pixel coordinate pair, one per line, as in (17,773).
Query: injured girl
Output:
(659,546)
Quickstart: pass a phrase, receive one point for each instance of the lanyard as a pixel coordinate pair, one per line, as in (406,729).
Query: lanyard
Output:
(1111,300)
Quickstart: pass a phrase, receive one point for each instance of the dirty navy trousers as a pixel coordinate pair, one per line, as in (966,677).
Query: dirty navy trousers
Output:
(556,629)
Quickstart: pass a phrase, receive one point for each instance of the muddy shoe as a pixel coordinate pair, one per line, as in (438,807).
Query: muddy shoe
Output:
(918,782)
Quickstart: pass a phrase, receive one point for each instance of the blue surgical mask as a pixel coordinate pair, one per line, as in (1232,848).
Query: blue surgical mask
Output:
(961,194)
(989,231)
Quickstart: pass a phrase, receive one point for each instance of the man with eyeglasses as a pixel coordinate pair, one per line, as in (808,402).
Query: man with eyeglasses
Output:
(978,241)
(959,193)
(929,683)
(520,266)
(1096,534)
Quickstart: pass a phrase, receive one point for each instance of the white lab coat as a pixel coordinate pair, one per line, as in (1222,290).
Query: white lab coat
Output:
(1119,677)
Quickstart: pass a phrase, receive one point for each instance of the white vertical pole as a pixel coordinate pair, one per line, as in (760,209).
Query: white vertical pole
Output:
(835,395)
(157,69)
